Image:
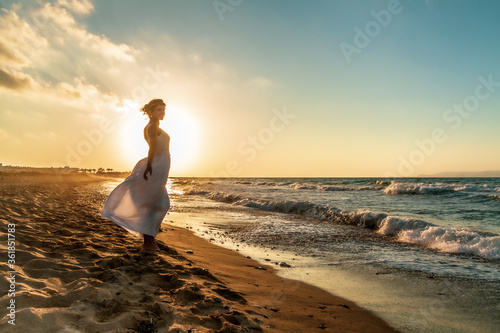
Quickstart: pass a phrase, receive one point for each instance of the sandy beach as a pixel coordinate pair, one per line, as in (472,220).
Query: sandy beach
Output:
(75,272)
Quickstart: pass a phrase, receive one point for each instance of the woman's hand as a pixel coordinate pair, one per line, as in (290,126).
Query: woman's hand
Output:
(148,169)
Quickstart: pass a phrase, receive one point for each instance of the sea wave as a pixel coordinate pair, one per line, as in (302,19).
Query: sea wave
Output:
(454,241)
(402,229)
(223,197)
(494,196)
(262,183)
(194,191)
(302,186)
(396,187)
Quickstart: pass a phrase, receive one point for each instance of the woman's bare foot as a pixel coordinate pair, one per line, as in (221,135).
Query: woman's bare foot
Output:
(151,247)
(150,243)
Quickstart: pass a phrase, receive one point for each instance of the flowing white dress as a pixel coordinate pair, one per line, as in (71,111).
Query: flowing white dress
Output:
(139,205)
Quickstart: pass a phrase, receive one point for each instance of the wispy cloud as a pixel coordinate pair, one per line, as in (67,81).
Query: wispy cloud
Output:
(77,6)
(62,27)
(8,56)
(20,43)
(15,80)
(261,82)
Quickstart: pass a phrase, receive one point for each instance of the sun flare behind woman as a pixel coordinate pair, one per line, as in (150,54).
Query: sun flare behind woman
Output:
(180,124)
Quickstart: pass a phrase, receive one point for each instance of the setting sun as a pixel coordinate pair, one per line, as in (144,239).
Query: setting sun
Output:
(184,133)
(179,123)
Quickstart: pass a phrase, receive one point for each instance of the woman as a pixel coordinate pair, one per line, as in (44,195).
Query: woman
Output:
(140,203)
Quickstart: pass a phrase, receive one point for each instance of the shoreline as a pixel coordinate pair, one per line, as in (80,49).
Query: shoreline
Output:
(290,305)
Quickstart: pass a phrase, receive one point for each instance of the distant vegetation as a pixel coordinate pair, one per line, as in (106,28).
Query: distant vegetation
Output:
(104,172)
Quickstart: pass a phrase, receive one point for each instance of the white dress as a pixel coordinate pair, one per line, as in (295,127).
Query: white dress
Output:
(139,205)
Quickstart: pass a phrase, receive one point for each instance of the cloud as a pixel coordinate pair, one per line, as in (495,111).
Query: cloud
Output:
(50,136)
(27,116)
(84,95)
(79,93)
(77,6)
(59,22)
(15,81)
(196,58)
(47,54)
(261,82)
(8,56)
(20,44)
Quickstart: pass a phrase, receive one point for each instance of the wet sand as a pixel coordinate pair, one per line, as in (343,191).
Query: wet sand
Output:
(76,272)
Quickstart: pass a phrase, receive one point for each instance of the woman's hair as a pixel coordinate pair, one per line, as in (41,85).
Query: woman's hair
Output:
(147,109)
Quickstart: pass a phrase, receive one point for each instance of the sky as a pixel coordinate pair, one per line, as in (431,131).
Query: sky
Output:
(254,88)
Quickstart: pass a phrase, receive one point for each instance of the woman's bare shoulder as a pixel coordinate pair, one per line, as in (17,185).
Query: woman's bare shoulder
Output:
(151,131)
(151,128)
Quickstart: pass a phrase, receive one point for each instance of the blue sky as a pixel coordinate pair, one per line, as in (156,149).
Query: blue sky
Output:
(361,117)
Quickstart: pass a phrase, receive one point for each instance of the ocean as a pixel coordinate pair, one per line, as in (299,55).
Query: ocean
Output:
(422,253)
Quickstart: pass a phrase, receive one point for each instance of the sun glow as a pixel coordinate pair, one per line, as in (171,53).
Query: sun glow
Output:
(184,133)
(134,146)
(183,129)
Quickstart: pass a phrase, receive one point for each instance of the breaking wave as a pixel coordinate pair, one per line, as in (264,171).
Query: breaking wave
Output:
(453,240)
(301,186)
(435,188)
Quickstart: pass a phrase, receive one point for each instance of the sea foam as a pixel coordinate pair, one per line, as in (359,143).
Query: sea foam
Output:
(454,241)
(435,188)
(403,229)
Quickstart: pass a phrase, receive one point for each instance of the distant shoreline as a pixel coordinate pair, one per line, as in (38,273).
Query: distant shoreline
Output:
(9,177)
(465,174)
(73,176)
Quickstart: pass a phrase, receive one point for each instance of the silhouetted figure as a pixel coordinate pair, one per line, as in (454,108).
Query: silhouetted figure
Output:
(140,203)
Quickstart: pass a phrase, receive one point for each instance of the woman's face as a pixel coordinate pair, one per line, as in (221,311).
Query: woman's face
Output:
(158,112)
